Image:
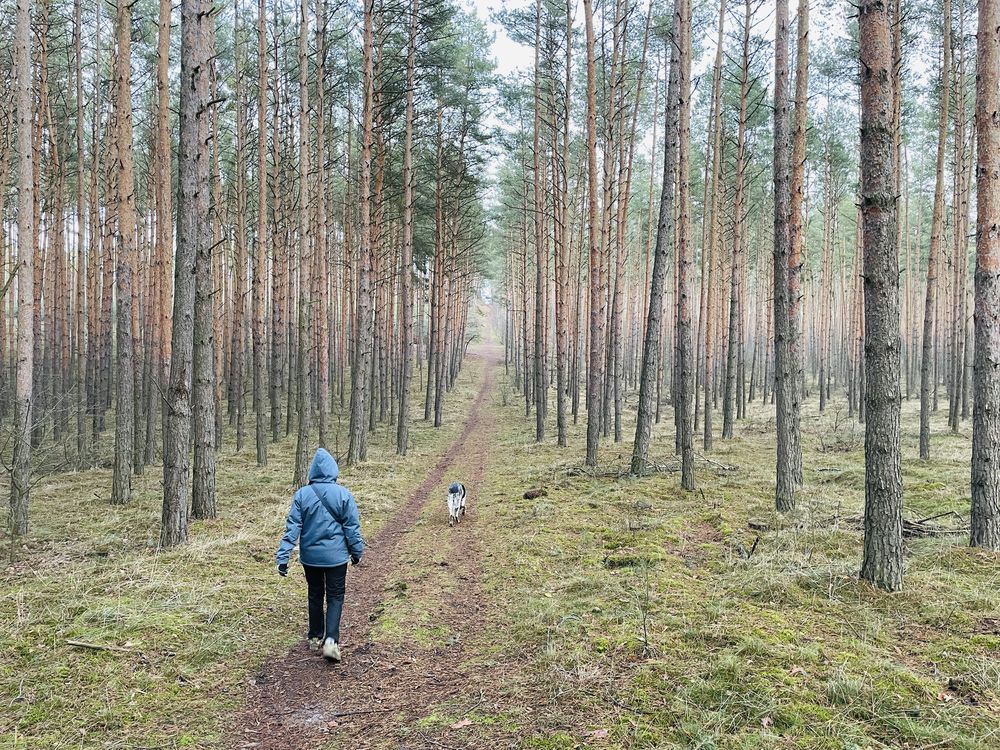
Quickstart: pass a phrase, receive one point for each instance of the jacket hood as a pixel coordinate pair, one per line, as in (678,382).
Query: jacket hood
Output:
(324,467)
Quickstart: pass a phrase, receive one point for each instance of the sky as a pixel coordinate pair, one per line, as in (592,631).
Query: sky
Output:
(509,55)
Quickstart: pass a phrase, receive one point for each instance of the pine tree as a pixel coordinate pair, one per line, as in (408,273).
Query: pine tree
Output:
(985,518)
(883,547)
(194,236)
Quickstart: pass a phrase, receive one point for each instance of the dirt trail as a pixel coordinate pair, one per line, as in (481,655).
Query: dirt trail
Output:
(374,698)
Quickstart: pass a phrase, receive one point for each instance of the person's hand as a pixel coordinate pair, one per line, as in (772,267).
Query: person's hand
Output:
(355,559)
(282,569)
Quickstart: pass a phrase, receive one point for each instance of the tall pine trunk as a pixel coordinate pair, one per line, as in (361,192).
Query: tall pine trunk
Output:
(597,304)
(259,280)
(729,399)
(883,545)
(20,484)
(541,383)
(796,240)
(194,232)
(784,382)
(985,522)
(237,370)
(360,372)
(121,483)
(204,403)
(164,214)
(406,264)
(685,353)
(304,354)
(927,367)
(665,232)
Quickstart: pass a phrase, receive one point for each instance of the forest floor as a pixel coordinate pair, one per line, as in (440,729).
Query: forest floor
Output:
(611,612)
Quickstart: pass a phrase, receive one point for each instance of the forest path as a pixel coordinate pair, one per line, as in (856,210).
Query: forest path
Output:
(411,608)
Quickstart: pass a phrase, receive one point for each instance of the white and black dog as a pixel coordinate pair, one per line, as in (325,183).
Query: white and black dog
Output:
(456,502)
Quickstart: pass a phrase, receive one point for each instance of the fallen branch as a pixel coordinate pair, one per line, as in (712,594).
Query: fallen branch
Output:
(942,515)
(922,528)
(719,464)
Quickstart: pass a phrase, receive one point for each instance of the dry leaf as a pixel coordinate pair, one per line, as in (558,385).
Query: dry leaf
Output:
(946,697)
(797,670)
(462,724)
(599,734)
(766,722)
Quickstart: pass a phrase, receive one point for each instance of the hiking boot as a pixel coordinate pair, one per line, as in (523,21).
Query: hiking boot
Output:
(315,644)
(331,651)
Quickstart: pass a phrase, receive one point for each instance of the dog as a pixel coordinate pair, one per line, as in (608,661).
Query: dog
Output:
(456,502)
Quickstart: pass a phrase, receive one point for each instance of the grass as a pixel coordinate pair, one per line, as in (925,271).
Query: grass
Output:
(639,613)
(624,612)
(188,626)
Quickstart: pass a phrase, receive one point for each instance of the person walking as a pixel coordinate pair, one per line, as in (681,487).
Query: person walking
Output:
(324,521)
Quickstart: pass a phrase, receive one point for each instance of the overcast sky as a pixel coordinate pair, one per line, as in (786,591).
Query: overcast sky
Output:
(509,55)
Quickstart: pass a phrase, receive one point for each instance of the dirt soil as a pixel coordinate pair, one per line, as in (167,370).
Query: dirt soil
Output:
(377,695)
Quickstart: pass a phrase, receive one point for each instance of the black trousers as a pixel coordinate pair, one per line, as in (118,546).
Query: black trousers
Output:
(326,584)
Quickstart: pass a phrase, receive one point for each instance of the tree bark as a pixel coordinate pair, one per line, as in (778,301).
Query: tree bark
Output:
(665,232)
(796,240)
(358,449)
(597,305)
(927,369)
(883,545)
(710,235)
(121,483)
(538,212)
(729,399)
(985,519)
(204,403)
(20,484)
(193,233)
(259,281)
(685,355)
(237,369)
(305,259)
(406,264)
(784,383)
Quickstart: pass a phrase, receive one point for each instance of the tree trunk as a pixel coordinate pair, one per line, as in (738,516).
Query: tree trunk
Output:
(237,370)
(784,381)
(259,281)
(710,235)
(665,232)
(304,358)
(406,265)
(729,400)
(597,305)
(541,384)
(927,369)
(193,237)
(121,485)
(883,546)
(562,234)
(20,484)
(358,449)
(685,355)
(796,240)
(985,520)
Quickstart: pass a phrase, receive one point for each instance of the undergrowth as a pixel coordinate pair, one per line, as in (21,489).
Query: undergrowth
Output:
(180,631)
(653,618)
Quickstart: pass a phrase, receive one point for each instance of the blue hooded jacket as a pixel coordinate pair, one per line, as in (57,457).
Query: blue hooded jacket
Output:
(323,519)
